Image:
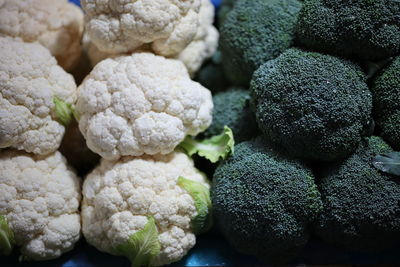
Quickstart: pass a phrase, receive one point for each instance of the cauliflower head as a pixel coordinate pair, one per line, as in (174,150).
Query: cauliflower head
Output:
(30,82)
(121,26)
(205,42)
(123,198)
(39,198)
(56,24)
(140,104)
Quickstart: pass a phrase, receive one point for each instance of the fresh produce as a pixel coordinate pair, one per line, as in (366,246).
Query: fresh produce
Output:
(232,108)
(140,104)
(55,24)
(253,32)
(361,204)
(201,48)
(368,30)
(36,97)
(312,106)
(205,41)
(225,7)
(263,203)
(211,74)
(386,96)
(122,26)
(146,208)
(39,205)
(308,90)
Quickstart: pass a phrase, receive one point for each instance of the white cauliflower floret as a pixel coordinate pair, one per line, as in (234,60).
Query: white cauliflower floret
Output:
(141,104)
(201,48)
(121,26)
(120,197)
(205,42)
(30,80)
(56,24)
(40,197)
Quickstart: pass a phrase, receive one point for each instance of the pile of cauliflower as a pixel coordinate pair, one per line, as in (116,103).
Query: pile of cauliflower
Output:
(137,108)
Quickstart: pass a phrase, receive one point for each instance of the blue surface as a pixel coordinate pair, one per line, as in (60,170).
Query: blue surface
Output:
(215,2)
(212,250)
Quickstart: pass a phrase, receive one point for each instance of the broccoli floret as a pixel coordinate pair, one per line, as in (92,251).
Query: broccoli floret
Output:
(212,76)
(232,108)
(312,106)
(224,8)
(366,29)
(386,97)
(253,32)
(361,204)
(263,203)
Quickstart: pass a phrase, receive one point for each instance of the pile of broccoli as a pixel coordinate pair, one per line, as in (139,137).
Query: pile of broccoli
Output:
(322,119)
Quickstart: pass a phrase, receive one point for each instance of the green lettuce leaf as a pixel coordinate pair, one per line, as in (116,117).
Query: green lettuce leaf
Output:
(64,111)
(214,148)
(143,246)
(6,237)
(388,163)
(201,196)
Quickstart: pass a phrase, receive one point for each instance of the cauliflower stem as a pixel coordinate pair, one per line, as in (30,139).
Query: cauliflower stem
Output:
(214,148)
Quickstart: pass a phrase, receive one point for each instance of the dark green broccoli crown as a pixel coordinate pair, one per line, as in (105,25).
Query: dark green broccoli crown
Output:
(311,106)
(361,204)
(253,32)
(367,29)
(211,75)
(232,108)
(224,8)
(386,96)
(263,203)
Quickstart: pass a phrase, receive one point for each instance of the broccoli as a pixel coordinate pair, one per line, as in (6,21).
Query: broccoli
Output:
(366,29)
(386,97)
(224,8)
(263,203)
(361,204)
(312,106)
(253,32)
(232,108)
(211,74)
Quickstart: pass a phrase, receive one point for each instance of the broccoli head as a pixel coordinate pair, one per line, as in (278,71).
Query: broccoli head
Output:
(211,74)
(253,32)
(361,204)
(232,108)
(263,203)
(386,97)
(368,30)
(224,8)
(312,106)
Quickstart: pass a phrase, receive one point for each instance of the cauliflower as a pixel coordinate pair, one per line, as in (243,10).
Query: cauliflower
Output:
(161,198)
(140,104)
(39,204)
(121,26)
(205,42)
(200,49)
(56,24)
(35,94)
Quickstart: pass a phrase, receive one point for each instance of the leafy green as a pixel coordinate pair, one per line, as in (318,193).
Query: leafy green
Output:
(201,196)
(388,163)
(64,111)
(6,237)
(214,148)
(143,246)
